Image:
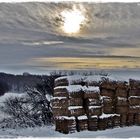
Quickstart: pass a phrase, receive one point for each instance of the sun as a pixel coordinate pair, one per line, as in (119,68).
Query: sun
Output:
(72,21)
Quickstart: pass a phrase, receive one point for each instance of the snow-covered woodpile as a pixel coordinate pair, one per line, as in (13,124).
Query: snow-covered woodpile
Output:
(95,103)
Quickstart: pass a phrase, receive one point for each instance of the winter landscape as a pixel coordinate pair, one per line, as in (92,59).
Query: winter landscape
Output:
(41,42)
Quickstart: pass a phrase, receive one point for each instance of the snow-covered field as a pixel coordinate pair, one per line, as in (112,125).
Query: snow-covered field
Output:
(49,131)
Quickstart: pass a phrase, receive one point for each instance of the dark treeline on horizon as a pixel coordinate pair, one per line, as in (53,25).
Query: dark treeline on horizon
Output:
(18,83)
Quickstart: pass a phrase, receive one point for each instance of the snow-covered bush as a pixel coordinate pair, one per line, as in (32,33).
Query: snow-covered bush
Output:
(32,109)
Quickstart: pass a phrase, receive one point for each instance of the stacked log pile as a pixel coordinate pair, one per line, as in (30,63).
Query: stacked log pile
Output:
(122,102)
(134,101)
(95,103)
(67,107)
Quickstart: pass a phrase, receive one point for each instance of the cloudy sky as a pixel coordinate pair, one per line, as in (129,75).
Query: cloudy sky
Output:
(71,0)
(37,37)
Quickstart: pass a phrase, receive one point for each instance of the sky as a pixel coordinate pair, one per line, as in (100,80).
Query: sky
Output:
(33,37)
(70,0)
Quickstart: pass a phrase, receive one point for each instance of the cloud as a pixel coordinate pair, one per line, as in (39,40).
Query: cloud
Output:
(76,63)
(69,0)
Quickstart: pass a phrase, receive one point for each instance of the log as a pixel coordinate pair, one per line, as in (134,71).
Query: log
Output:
(59,102)
(91,95)
(60,89)
(77,94)
(116,120)
(61,82)
(122,109)
(134,109)
(61,94)
(122,85)
(60,112)
(134,100)
(92,123)
(82,123)
(76,111)
(107,101)
(108,109)
(137,119)
(130,119)
(94,110)
(109,84)
(65,124)
(92,102)
(58,125)
(108,93)
(121,101)
(123,119)
(121,92)
(134,92)
(102,123)
(110,122)
(134,84)
(75,102)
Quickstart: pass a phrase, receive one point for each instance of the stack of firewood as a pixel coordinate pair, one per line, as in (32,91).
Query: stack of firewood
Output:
(86,104)
(134,101)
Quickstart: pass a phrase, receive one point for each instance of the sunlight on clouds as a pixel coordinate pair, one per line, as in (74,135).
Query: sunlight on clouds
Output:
(84,63)
(126,51)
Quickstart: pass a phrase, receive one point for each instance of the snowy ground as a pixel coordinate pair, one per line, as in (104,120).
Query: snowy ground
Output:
(49,131)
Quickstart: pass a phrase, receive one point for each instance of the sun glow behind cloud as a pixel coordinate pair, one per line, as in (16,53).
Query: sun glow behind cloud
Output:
(72,20)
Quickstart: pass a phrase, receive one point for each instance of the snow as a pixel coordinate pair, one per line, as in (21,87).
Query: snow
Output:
(136,106)
(91,78)
(92,100)
(94,116)
(49,97)
(74,107)
(122,98)
(71,79)
(59,98)
(65,117)
(70,88)
(77,88)
(60,87)
(105,97)
(74,88)
(77,78)
(96,78)
(49,132)
(134,97)
(91,107)
(92,88)
(84,117)
(9,94)
(108,115)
